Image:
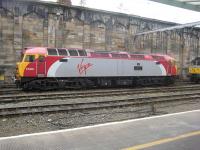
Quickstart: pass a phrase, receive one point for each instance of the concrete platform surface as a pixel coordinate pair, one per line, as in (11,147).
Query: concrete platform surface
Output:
(174,131)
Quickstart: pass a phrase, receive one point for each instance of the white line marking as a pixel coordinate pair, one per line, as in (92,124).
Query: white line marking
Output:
(99,125)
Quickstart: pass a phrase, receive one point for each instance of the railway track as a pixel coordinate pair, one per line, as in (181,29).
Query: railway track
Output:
(8,86)
(97,105)
(6,91)
(51,102)
(23,97)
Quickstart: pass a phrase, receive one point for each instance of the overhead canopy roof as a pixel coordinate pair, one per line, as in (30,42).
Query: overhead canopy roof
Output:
(187,4)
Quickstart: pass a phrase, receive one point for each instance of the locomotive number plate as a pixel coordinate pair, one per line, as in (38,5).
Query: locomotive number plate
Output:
(138,68)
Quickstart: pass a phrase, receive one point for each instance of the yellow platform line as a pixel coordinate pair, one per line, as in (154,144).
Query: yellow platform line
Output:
(162,141)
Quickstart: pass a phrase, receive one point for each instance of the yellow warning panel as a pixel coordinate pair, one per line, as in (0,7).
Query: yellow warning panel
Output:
(2,76)
(194,70)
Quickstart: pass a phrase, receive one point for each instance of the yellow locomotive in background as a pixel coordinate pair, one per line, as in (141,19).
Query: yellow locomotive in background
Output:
(194,70)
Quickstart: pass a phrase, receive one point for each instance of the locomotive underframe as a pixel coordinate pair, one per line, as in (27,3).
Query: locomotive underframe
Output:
(91,82)
(195,78)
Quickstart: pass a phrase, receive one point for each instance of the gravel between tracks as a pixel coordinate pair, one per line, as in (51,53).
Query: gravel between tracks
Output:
(55,121)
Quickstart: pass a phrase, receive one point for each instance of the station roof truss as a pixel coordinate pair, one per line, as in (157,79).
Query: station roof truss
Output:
(186,4)
(181,28)
(176,28)
(184,31)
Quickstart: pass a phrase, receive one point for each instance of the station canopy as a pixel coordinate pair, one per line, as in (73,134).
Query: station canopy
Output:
(187,4)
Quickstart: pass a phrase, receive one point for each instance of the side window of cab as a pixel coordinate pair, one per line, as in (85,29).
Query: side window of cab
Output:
(29,58)
(41,58)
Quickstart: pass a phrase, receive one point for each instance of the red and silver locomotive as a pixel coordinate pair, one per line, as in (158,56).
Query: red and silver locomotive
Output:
(52,68)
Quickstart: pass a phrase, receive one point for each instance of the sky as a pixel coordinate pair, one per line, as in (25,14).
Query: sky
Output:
(143,8)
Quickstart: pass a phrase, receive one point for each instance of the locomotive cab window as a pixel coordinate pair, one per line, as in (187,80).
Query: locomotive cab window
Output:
(41,58)
(29,58)
(62,52)
(82,53)
(72,52)
(52,52)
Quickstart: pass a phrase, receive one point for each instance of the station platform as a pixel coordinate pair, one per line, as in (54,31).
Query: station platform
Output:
(179,131)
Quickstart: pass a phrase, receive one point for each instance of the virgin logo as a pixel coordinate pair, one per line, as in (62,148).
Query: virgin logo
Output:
(82,68)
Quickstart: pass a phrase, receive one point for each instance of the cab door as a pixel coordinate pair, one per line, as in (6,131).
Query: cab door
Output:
(41,66)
